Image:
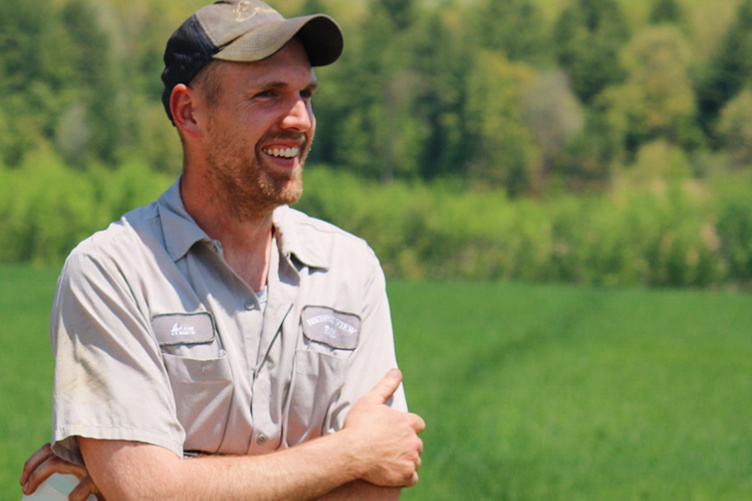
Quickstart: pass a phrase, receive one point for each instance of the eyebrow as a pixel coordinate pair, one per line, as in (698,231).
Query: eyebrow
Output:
(312,85)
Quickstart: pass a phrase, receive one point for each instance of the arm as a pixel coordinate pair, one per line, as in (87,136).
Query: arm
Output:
(362,491)
(378,445)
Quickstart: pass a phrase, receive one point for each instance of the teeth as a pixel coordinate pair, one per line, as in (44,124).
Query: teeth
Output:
(282,152)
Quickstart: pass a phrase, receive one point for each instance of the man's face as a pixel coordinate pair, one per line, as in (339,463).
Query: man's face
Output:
(259,131)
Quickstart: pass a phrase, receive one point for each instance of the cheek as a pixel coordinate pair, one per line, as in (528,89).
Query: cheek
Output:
(312,130)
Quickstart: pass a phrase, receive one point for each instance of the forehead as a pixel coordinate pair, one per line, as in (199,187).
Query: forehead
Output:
(289,66)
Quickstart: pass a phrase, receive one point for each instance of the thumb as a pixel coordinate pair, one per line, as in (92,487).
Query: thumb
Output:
(384,389)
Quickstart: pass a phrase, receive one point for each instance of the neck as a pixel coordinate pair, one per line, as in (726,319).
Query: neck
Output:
(246,241)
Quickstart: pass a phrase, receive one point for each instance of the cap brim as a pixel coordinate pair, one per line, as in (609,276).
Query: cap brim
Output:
(319,34)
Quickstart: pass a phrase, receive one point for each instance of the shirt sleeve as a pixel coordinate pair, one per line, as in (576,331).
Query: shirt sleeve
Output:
(375,353)
(110,382)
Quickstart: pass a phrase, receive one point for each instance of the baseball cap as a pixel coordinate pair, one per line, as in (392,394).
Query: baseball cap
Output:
(244,31)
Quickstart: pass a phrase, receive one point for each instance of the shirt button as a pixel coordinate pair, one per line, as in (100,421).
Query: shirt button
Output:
(249,305)
(261,440)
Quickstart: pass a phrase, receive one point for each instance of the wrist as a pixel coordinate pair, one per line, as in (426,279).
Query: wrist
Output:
(354,455)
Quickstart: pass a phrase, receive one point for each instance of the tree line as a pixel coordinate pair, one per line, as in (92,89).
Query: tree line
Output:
(498,93)
(600,141)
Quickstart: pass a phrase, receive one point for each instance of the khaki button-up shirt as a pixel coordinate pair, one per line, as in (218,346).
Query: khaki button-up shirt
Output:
(157,340)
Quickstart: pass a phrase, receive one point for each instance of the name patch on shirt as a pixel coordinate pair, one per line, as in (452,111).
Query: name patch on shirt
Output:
(333,328)
(183,328)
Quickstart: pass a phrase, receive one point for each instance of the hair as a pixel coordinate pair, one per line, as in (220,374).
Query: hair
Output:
(207,81)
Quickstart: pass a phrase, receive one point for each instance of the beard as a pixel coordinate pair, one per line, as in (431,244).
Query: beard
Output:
(242,179)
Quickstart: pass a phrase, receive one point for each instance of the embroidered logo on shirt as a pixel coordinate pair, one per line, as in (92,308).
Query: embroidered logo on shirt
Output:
(183,328)
(179,329)
(331,327)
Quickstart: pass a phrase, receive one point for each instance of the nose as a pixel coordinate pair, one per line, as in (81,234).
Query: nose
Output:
(300,117)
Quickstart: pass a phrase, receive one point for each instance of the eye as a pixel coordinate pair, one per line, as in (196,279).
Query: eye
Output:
(265,94)
(306,94)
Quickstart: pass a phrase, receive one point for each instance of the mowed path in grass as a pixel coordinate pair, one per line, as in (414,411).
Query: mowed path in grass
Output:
(571,393)
(529,391)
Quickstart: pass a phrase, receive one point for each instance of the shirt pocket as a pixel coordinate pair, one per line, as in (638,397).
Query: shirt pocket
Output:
(317,381)
(203,392)
(200,376)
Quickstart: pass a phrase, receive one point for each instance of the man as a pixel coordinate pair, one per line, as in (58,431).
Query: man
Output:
(217,323)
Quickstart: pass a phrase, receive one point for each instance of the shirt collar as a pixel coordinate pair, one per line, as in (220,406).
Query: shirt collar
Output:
(293,238)
(180,230)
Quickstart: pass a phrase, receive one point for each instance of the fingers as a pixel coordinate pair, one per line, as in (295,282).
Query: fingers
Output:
(41,471)
(34,461)
(83,490)
(419,424)
(414,480)
(384,388)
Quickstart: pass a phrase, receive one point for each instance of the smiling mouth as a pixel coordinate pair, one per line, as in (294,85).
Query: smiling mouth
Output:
(282,152)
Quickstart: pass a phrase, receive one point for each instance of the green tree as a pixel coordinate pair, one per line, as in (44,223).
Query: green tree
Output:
(735,128)
(95,78)
(585,163)
(555,118)
(666,11)
(588,37)
(312,7)
(356,135)
(440,57)
(503,150)
(657,99)
(401,13)
(35,64)
(514,27)
(728,70)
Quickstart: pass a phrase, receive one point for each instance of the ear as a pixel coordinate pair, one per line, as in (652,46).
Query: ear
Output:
(183,107)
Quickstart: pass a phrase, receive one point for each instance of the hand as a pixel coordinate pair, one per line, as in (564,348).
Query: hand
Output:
(387,442)
(44,463)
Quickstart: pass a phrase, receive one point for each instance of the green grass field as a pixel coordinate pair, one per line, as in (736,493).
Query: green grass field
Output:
(529,392)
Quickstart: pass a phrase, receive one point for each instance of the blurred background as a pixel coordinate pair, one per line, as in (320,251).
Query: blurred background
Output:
(559,192)
(588,141)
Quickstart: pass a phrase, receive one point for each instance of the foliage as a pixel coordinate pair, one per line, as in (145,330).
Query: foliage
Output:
(497,97)
(666,11)
(729,68)
(513,27)
(656,100)
(734,130)
(647,232)
(657,227)
(82,79)
(501,133)
(43,220)
(588,37)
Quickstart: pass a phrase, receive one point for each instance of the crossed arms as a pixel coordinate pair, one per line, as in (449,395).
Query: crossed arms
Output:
(376,453)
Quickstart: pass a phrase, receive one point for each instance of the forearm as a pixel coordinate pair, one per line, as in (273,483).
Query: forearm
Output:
(377,445)
(124,470)
(362,491)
